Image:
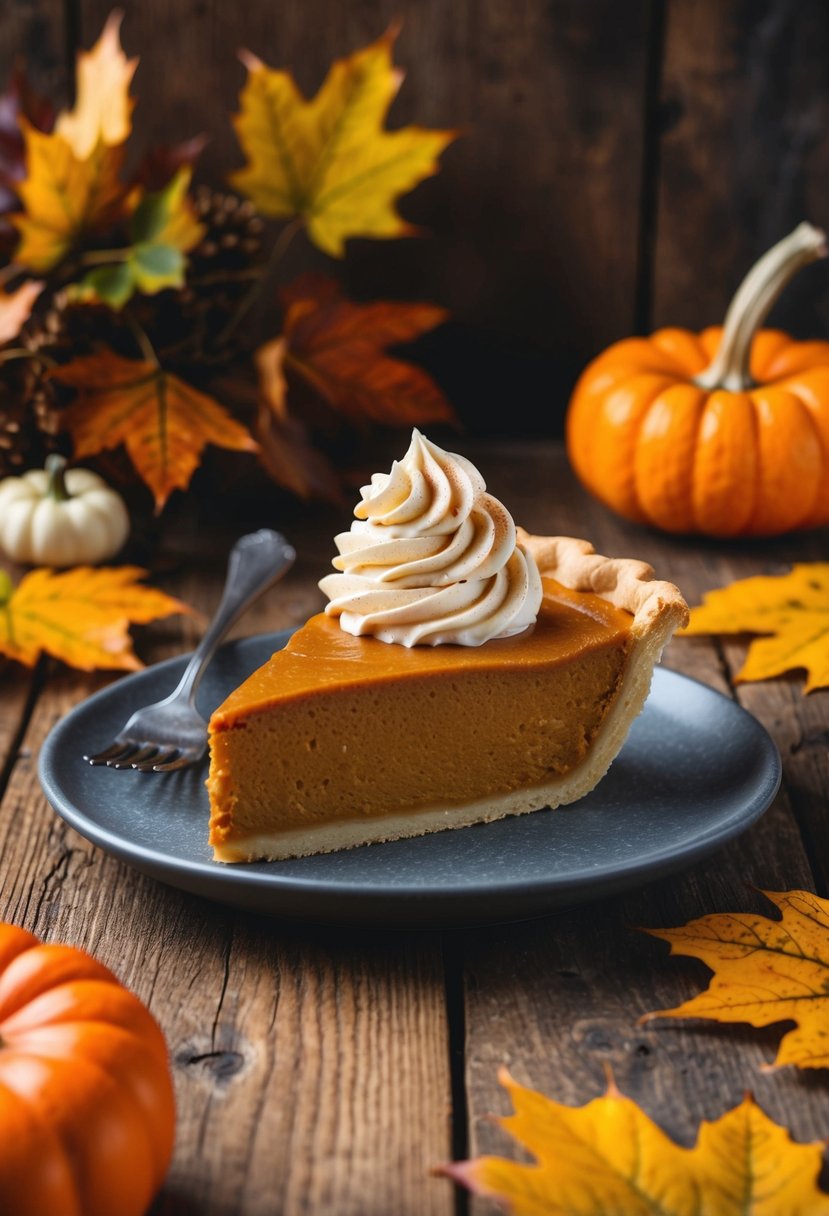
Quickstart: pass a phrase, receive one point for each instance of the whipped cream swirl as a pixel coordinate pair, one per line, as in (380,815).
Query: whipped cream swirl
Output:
(432,558)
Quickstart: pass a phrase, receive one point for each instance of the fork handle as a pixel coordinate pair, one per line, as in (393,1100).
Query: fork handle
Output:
(256,562)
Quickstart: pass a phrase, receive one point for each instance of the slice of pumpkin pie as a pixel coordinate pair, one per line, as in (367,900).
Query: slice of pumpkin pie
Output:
(462,671)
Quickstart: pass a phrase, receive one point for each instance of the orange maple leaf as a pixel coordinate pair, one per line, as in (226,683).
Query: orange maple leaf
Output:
(608,1156)
(80,616)
(793,608)
(16,308)
(163,422)
(338,349)
(764,971)
(329,160)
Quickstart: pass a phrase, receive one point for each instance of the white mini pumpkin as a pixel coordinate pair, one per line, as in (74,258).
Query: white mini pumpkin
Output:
(61,517)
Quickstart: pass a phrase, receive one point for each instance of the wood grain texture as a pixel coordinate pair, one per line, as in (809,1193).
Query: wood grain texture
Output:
(15,690)
(744,153)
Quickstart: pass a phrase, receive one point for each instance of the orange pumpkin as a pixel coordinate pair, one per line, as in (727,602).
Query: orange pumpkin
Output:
(725,432)
(86,1101)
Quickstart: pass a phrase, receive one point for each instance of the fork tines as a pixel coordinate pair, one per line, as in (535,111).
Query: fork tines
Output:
(144,758)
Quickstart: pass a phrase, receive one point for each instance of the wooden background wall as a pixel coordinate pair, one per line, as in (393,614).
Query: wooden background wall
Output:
(624,161)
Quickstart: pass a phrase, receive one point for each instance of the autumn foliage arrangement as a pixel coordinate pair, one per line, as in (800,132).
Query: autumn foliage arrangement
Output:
(127,305)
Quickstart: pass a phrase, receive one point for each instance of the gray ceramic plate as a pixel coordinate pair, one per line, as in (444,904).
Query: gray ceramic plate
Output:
(695,771)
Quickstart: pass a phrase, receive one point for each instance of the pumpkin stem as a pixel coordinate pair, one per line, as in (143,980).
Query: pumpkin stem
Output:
(56,469)
(729,369)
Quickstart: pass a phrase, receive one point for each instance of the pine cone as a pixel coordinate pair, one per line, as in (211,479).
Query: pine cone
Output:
(29,417)
(31,404)
(232,243)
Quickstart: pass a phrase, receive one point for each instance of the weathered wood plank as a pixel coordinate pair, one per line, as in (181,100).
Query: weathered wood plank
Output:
(18,690)
(311,1070)
(15,689)
(744,153)
(558,999)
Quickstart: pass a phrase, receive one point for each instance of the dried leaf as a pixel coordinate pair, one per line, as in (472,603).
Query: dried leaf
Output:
(16,308)
(286,452)
(608,1156)
(337,347)
(64,197)
(793,608)
(329,160)
(103,107)
(163,422)
(80,616)
(764,971)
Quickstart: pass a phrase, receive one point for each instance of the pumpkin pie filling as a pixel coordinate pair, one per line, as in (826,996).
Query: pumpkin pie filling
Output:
(336,728)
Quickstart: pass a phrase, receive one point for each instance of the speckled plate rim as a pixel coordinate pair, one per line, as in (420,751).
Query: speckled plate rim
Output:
(327,899)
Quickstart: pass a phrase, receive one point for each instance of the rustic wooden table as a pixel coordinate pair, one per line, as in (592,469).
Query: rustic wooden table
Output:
(326,1070)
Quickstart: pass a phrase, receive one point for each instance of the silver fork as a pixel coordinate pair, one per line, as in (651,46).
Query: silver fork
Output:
(172,733)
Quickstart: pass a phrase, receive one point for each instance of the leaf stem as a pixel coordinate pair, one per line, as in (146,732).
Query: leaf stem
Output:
(16,352)
(278,251)
(105,257)
(22,352)
(142,338)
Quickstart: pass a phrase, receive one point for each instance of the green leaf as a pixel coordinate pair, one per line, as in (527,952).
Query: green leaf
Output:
(163,228)
(155,267)
(150,216)
(113,285)
(167,217)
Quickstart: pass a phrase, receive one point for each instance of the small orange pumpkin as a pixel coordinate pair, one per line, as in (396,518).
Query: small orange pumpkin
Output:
(725,432)
(86,1101)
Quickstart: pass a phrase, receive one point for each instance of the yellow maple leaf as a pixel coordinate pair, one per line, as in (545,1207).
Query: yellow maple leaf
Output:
(103,107)
(764,971)
(16,308)
(72,173)
(64,196)
(793,608)
(329,160)
(163,422)
(608,1156)
(80,616)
